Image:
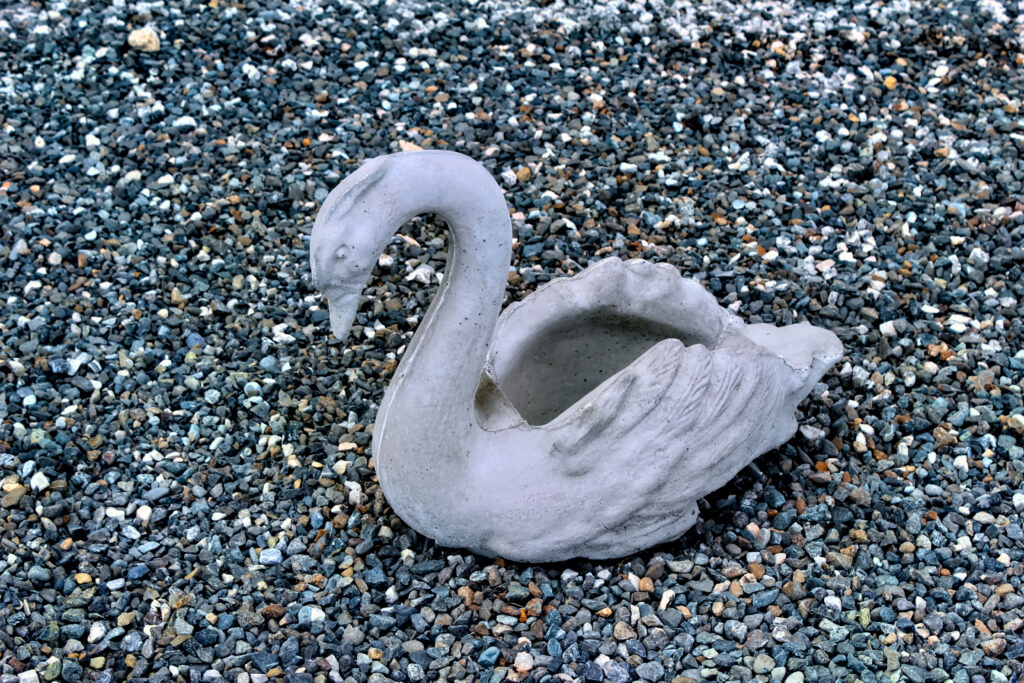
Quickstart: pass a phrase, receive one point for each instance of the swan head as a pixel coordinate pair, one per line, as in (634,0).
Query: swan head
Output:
(354,225)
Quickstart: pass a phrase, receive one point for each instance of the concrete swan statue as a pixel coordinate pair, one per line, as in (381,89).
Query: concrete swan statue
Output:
(585,420)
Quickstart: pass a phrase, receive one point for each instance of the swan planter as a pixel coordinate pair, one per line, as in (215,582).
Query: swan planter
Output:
(585,420)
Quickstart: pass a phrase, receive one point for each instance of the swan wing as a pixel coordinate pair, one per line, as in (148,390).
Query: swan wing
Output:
(679,422)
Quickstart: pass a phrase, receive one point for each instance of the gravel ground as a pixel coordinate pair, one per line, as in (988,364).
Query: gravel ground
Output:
(187,492)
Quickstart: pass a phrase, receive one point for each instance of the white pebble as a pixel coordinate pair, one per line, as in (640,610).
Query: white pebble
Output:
(39,482)
(423,274)
(96,632)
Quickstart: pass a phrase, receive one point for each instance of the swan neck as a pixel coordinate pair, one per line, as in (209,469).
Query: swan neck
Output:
(441,370)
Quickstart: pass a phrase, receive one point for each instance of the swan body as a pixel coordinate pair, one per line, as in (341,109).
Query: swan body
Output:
(586,420)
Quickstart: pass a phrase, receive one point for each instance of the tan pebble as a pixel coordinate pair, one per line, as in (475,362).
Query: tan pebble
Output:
(523,174)
(145,39)
(793,590)
(646,584)
(13,497)
(125,619)
(623,631)
(82,577)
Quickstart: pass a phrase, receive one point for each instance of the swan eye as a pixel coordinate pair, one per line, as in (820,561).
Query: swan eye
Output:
(341,253)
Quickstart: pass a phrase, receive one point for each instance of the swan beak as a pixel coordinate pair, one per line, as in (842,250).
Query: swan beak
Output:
(342,308)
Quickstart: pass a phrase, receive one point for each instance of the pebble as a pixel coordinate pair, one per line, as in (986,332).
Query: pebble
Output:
(271,556)
(623,631)
(310,614)
(37,574)
(145,39)
(96,632)
(489,657)
(13,496)
(763,664)
(523,663)
(137,572)
(39,482)
(650,671)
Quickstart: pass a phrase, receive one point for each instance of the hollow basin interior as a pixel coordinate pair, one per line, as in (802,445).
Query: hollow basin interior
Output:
(571,357)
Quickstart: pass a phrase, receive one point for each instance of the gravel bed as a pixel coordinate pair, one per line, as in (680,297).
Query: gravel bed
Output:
(187,485)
